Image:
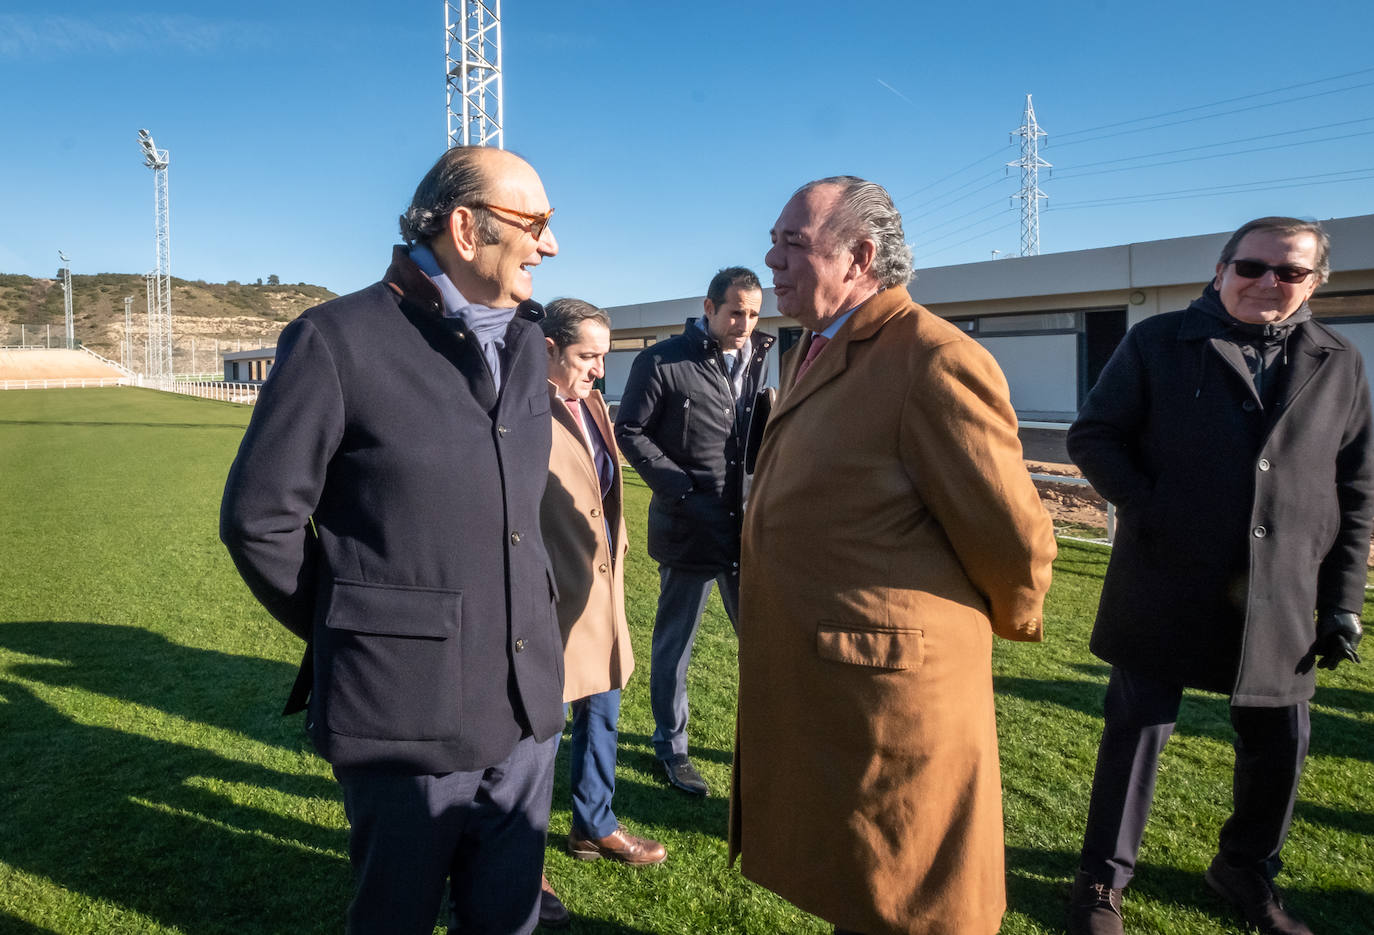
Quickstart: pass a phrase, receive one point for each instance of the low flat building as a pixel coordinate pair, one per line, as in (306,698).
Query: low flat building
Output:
(248,366)
(1051,321)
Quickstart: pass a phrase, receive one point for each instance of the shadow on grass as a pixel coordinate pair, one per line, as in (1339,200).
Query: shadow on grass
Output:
(1201,714)
(189,837)
(650,803)
(12,926)
(237,693)
(1361,823)
(1038,884)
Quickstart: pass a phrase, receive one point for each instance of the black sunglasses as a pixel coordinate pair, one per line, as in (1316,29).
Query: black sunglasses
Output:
(1254,269)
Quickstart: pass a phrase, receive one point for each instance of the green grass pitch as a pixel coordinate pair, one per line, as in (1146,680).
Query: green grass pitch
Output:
(149,785)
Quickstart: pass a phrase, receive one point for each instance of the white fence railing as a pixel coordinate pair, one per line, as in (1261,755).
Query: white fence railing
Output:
(245,393)
(66,383)
(105,360)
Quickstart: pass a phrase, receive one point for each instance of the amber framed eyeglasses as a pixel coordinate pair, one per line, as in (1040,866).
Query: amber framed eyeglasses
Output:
(537,222)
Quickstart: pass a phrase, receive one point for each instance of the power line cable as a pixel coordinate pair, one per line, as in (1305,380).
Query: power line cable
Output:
(1239,152)
(1247,139)
(1224,113)
(997,181)
(960,230)
(952,246)
(934,227)
(956,172)
(1229,100)
(1296,181)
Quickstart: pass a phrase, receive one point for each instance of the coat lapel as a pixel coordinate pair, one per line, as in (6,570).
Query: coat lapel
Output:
(564,418)
(1311,351)
(1231,355)
(867,319)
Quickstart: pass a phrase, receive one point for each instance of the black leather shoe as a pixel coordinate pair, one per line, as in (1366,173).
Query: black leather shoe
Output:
(1094,908)
(552,913)
(1254,896)
(683,775)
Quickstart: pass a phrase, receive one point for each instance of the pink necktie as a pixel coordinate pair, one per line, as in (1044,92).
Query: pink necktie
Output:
(575,407)
(817,344)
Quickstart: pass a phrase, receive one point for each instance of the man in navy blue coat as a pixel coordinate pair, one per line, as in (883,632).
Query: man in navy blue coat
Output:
(384,506)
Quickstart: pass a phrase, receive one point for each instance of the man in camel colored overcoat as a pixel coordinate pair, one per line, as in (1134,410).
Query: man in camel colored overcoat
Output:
(891,531)
(582,519)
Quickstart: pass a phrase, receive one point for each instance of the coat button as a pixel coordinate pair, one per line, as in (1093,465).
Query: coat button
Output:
(519,646)
(1249,405)
(596,511)
(602,568)
(501,430)
(1264,464)
(1261,532)
(515,538)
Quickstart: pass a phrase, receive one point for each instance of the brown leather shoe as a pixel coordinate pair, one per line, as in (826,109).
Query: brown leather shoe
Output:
(1094,908)
(552,913)
(1255,897)
(618,845)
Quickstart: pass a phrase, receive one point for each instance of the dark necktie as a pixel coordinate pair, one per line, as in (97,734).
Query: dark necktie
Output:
(601,458)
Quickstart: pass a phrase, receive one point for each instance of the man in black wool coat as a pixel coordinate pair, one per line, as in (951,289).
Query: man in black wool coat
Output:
(1234,437)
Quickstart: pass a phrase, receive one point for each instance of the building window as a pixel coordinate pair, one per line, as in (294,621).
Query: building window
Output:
(1034,323)
(629,344)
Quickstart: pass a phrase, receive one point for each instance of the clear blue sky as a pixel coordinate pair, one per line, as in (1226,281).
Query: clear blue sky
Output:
(669,135)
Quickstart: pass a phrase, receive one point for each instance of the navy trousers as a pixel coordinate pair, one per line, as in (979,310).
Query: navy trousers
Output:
(1271,745)
(595,739)
(482,830)
(681,599)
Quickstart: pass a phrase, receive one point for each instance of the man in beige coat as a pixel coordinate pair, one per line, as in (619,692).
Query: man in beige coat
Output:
(891,531)
(584,532)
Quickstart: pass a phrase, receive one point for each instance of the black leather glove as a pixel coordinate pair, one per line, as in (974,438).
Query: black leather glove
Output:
(1338,636)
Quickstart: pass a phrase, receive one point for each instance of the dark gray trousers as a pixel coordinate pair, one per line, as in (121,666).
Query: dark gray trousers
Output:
(681,599)
(1271,745)
(482,830)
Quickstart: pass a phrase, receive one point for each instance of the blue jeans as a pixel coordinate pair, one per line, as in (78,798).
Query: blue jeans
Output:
(595,735)
(681,599)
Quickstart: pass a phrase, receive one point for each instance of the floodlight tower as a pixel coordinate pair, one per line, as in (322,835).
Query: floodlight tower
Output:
(472,66)
(128,358)
(160,330)
(67,297)
(1030,193)
(150,287)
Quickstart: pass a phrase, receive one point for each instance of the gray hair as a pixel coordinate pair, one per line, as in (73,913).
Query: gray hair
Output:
(563,320)
(456,180)
(1284,225)
(867,213)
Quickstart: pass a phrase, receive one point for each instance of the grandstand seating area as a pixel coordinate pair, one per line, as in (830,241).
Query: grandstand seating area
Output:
(45,366)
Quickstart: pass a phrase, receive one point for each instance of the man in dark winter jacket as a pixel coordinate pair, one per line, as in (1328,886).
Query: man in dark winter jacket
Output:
(384,506)
(683,423)
(1235,439)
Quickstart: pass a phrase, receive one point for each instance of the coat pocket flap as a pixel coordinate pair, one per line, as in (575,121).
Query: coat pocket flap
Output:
(388,610)
(880,649)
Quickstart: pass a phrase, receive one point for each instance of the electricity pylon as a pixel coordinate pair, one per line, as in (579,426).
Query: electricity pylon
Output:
(1030,193)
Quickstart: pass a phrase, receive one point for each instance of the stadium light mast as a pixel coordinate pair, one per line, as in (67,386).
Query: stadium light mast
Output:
(150,287)
(67,298)
(1030,194)
(160,325)
(472,67)
(128,358)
